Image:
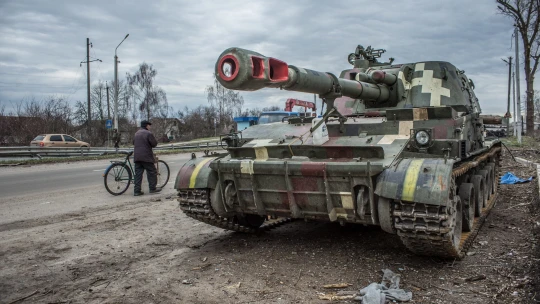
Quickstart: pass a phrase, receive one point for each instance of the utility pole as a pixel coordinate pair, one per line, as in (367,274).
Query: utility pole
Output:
(508,115)
(116,85)
(88,46)
(109,108)
(514,102)
(517,87)
(315,103)
(116,90)
(88,85)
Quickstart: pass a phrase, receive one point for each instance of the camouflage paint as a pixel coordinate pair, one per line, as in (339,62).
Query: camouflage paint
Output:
(278,170)
(417,180)
(196,174)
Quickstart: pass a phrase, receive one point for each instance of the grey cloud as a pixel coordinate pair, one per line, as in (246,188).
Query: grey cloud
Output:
(182,39)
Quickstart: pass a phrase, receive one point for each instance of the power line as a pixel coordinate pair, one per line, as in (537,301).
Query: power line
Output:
(35,75)
(75,86)
(79,85)
(33,84)
(98,65)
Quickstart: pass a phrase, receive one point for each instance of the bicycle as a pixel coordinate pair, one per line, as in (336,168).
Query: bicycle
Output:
(118,176)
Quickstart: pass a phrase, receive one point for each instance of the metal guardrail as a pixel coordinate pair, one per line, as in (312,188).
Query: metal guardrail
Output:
(40,152)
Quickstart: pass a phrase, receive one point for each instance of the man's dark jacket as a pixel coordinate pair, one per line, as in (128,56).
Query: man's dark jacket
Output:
(144,141)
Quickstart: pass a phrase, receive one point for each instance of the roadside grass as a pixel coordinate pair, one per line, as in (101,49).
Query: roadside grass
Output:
(528,149)
(205,138)
(51,160)
(527,142)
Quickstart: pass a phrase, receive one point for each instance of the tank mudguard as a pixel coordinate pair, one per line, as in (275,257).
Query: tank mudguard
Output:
(196,174)
(424,181)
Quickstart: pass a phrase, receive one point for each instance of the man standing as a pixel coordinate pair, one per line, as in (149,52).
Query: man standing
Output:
(116,139)
(143,157)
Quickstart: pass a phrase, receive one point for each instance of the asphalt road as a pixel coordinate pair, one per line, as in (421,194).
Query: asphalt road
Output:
(46,190)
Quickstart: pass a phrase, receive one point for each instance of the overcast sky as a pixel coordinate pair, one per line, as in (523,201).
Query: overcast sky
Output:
(43,42)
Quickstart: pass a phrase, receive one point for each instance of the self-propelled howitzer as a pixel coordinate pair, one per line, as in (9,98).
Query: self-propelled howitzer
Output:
(401,146)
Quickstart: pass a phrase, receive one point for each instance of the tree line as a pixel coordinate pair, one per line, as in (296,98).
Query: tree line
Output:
(138,98)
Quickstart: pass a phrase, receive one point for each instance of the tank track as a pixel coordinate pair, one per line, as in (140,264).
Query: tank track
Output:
(195,203)
(424,229)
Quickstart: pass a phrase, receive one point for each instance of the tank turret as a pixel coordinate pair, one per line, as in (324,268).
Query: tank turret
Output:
(375,84)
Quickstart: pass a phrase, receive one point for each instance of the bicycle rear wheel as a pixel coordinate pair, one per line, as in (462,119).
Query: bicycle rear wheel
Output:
(117,178)
(163,173)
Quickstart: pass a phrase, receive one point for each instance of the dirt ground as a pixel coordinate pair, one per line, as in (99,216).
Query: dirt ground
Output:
(151,253)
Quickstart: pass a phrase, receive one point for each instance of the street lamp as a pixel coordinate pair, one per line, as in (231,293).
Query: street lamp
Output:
(116,85)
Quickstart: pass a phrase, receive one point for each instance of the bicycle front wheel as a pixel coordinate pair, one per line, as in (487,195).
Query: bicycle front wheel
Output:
(163,173)
(117,179)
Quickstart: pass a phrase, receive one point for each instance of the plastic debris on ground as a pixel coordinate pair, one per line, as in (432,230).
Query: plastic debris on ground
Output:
(376,293)
(388,290)
(509,178)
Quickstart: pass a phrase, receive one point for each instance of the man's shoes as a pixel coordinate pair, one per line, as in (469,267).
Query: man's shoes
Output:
(138,193)
(156,190)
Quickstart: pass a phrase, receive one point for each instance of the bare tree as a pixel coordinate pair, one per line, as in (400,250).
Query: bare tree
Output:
(197,123)
(98,101)
(58,114)
(149,96)
(250,112)
(271,108)
(125,102)
(536,99)
(98,104)
(227,102)
(257,111)
(164,124)
(5,126)
(32,117)
(525,14)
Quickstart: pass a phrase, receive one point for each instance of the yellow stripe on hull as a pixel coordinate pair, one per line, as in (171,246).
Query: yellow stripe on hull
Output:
(411,177)
(198,168)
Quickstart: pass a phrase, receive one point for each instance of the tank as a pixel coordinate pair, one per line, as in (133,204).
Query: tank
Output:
(400,146)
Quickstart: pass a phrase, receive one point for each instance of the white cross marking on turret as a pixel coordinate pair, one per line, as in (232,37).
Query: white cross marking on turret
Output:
(430,85)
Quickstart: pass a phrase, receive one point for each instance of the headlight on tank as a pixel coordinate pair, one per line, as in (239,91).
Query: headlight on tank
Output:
(422,138)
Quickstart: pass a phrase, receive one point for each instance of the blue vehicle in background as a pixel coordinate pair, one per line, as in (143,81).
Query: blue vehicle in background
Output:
(267,117)
(245,122)
(275,116)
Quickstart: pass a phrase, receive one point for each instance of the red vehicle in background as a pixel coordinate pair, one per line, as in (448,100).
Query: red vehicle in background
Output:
(291,103)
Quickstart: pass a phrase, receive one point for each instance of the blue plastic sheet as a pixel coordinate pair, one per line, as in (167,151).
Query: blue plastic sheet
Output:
(509,178)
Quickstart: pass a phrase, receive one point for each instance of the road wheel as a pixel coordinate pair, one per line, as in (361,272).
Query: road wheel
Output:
(117,178)
(385,208)
(479,190)
(216,201)
(494,177)
(491,176)
(458,228)
(467,196)
(487,184)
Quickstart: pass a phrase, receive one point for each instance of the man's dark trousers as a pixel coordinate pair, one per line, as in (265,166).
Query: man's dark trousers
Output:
(151,174)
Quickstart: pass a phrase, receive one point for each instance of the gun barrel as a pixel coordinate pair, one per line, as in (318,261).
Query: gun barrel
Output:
(240,69)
